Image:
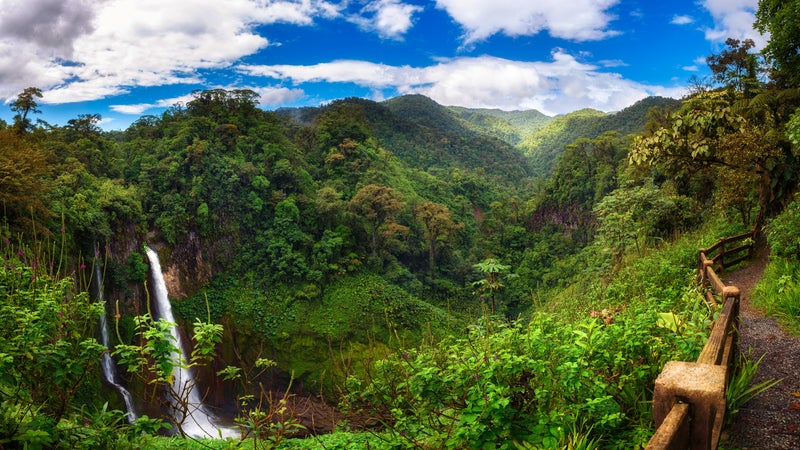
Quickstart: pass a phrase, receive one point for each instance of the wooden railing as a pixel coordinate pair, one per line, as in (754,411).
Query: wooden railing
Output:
(689,397)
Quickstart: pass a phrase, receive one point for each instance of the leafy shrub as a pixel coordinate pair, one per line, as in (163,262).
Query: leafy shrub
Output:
(502,384)
(135,268)
(783,232)
(49,361)
(778,292)
(359,305)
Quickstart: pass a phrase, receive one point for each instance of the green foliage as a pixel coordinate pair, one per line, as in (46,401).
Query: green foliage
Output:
(340,440)
(135,268)
(49,362)
(509,126)
(23,171)
(429,136)
(46,344)
(778,291)
(157,356)
(358,307)
(691,134)
(736,67)
(783,233)
(636,216)
(525,383)
(776,17)
(25,104)
(325,228)
(579,376)
(793,128)
(741,388)
(547,144)
(491,283)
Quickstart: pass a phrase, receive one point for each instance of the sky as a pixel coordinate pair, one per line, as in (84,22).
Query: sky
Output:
(123,59)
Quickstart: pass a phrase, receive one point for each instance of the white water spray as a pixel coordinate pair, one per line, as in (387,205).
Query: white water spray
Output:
(199,422)
(106,363)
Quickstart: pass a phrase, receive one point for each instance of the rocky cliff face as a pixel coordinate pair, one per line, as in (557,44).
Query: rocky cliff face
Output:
(193,262)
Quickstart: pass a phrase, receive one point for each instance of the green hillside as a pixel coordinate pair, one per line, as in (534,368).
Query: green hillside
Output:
(546,144)
(510,126)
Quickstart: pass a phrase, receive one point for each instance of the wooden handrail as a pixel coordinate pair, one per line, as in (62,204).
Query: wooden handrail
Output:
(689,398)
(673,434)
(721,254)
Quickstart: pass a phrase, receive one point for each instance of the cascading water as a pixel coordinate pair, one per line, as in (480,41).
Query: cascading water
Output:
(106,363)
(198,422)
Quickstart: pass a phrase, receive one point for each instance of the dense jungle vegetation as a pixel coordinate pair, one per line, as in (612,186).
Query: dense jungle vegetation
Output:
(439,277)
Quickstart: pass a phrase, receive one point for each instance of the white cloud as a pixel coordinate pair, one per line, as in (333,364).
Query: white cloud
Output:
(578,20)
(139,108)
(556,87)
(682,20)
(135,109)
(90,49)
(273,96)
(269,96)
(733,19)
(613,63)
(389,18)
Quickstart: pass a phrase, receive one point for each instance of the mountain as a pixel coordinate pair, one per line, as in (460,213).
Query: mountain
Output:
(546,144)
(510,126)
(507,145)
(435,136)
(427,136)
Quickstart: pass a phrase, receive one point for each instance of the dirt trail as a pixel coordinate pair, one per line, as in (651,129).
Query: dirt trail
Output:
(772,420)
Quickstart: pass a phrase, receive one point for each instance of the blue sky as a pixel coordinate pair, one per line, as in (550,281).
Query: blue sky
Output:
(126,58)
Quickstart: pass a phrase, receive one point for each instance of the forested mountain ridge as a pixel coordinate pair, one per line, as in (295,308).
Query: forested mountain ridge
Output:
(426,136)
(545,145)
(510,126)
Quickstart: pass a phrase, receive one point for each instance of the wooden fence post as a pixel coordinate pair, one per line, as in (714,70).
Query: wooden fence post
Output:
(700,385)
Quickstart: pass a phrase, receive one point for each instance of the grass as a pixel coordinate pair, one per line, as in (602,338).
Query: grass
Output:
(778,293)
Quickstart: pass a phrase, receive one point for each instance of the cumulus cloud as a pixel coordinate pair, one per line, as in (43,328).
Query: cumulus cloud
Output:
(555,87)
(50,25)
(733,19)
(90,49)
(36,38)
(578,20)
(389,18)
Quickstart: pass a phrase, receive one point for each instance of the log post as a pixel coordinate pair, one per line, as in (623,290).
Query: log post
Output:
(702,386)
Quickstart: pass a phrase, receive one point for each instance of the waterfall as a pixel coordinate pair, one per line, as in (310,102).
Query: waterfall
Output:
(199,421)
(107,364)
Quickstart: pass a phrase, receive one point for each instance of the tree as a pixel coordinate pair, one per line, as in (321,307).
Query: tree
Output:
(491,283)
(736,67)
(236,106)
(340,121)
(378,206)
(328,204)
(438,227)
(779,18)
(24,179)
(709,133)
(24,105)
